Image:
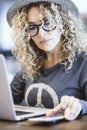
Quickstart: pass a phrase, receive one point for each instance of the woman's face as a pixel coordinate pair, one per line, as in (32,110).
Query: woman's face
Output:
(45,40)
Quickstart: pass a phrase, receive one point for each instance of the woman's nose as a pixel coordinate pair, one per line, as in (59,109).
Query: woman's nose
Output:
(41,32)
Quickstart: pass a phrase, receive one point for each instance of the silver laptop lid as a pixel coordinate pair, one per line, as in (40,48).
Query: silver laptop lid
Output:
(6,101)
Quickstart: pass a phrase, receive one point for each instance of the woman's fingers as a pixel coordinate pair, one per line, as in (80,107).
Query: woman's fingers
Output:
(54,111)
(60,108)
(72,112)
(69,105)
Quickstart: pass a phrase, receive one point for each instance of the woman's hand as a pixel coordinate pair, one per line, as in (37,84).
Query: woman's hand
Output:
(71,107)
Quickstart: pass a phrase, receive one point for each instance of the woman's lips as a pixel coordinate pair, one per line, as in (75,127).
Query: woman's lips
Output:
(45,41)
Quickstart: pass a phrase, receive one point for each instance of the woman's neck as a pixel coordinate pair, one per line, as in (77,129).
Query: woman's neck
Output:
(53,57)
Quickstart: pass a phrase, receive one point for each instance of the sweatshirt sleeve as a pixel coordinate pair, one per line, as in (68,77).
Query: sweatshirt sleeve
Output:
(18,86)
(83,85)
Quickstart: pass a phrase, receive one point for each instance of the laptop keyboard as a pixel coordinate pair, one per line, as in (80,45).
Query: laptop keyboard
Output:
(22,112)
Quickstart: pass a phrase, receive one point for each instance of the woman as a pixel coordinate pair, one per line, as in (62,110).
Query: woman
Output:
(51,47)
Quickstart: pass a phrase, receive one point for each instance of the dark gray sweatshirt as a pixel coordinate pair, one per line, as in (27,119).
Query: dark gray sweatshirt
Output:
(52,84)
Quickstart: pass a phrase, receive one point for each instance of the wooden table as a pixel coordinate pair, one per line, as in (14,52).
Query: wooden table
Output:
(79,124)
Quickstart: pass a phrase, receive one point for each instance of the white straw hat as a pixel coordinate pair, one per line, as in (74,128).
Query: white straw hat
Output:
(18,4)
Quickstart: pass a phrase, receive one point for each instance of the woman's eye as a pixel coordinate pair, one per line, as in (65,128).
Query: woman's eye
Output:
(46,23)
(31,28)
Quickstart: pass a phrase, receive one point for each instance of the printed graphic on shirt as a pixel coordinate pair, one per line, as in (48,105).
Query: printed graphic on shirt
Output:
(41,95)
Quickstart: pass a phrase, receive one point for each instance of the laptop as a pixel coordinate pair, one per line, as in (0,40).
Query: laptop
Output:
(9,111)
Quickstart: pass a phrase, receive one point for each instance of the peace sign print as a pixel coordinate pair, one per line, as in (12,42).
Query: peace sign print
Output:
(41,95)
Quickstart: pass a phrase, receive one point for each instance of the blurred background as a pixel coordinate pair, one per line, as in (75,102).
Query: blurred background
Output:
(6,42)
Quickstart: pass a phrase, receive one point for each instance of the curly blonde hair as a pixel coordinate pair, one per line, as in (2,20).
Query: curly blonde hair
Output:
(30,57)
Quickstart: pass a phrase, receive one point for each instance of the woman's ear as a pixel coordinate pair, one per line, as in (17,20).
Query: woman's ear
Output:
(61,28)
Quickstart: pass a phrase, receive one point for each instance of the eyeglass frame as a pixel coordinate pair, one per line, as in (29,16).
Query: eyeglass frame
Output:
(38,25)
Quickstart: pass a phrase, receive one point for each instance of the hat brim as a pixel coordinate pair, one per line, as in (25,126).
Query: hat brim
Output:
(18,4)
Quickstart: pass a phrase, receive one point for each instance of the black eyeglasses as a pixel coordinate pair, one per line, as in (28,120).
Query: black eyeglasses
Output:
(47,24)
